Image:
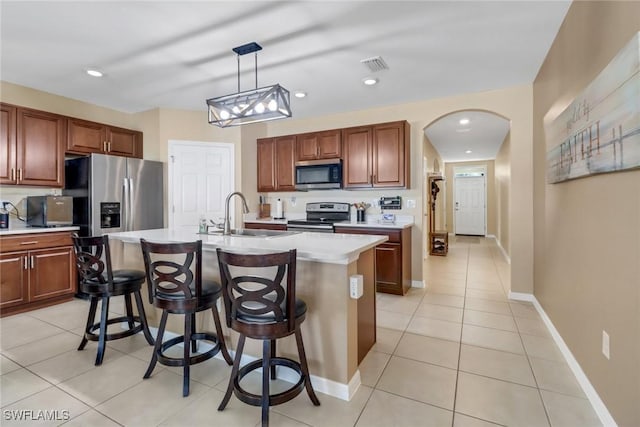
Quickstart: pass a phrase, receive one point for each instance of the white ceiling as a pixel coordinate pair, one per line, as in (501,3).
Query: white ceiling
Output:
(483,136)
(174,54)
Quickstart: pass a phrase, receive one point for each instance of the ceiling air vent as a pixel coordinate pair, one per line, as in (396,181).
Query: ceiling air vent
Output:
(375,64)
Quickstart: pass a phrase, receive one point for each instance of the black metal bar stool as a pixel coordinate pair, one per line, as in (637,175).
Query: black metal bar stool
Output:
(264,309)
(178,288)
(101,282)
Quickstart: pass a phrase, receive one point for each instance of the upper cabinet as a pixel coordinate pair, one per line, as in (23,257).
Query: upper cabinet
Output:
(377,156)
(373,156)
(85,137)
(31,147)
(319,145)
(276,163)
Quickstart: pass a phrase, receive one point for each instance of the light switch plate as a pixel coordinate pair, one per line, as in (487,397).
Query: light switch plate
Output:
(411,203)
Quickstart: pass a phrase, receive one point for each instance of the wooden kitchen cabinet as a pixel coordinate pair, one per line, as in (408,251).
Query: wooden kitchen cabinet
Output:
(85,137)
(393,257)
(7,144)
(31,147)
(265,226)
(377,156)
(38,269)
(319,145)
(276,163)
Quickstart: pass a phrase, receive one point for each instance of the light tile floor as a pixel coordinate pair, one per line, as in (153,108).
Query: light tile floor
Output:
(458,353)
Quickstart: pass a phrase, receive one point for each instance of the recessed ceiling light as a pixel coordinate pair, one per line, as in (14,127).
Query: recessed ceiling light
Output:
(468,151)
(464,121)
(94,73)
(369,81)
(299,94)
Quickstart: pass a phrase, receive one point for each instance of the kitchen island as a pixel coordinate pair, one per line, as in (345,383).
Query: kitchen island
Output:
(338,331)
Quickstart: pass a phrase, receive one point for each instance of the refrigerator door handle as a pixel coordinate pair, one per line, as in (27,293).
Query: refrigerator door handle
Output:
(130,205)
(125,204)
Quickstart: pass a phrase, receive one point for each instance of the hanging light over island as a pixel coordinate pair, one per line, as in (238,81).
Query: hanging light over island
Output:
(250,106)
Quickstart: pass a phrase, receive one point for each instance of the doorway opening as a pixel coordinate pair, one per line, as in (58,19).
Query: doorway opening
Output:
(470,200)
(201,174)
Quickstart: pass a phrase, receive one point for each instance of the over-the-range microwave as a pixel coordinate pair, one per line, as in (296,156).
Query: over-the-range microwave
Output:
(319,174)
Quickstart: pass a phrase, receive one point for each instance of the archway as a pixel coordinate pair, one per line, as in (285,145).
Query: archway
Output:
(464,146)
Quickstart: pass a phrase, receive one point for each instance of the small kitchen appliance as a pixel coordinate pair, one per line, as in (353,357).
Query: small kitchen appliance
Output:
(49,211)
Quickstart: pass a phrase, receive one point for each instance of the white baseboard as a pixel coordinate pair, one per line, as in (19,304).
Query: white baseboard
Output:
(507,258)
(417,284)
(591,393)
(320,384)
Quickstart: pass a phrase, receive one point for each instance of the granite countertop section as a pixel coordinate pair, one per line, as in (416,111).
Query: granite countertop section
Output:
(373,224)
(320,247)
(373,221)
(16,227)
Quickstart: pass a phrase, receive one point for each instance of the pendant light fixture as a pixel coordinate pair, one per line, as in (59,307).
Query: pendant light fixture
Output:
(250,106)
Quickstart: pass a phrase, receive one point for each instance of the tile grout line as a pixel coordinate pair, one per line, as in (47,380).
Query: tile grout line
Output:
(464,303)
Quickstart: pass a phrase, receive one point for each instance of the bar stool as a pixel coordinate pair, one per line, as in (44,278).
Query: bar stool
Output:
(177,289)
(264,309)
(101,282)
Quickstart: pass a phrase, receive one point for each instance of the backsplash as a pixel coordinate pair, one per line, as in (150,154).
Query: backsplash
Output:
(17,195)
(295,202)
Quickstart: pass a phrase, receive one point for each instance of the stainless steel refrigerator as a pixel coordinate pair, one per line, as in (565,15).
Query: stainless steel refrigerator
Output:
(113,193)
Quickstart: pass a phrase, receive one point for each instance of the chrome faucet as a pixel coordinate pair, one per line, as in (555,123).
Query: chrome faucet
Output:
(227,221)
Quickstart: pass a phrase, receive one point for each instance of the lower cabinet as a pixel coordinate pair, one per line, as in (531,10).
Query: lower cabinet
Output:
(393,258)
(264,226)
(37,270)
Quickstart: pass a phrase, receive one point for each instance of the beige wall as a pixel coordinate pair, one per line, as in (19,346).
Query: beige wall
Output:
(503,188)
(587,231)
(491,193)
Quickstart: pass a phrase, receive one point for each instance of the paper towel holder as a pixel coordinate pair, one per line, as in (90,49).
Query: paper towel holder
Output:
(279,213)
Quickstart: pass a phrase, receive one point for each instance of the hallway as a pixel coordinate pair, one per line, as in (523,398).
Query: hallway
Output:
(458,353)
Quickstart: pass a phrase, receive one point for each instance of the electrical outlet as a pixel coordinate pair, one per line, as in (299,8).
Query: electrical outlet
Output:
(411,203)
(375,203)
(605,344)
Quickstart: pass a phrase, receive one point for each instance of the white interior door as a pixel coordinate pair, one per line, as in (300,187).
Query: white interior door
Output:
(201,175)
(469,205)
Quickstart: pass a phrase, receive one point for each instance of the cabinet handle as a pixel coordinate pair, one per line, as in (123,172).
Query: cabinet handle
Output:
(104,145)
(374,178)
(13,174)
(20,174)
(32,261)
(32,242)
(24,263)
(109,146)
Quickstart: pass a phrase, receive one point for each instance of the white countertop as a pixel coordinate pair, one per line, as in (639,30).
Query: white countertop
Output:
(16,227)
(372,222)
(321,247)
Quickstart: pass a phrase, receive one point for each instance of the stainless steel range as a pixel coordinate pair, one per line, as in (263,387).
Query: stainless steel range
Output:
(321,217)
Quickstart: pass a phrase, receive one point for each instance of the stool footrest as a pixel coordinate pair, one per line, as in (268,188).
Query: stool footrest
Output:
(274,399)
(201,357)
(92,336)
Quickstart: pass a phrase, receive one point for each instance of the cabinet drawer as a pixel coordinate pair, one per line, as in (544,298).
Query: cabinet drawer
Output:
(25,242)
(394,235)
